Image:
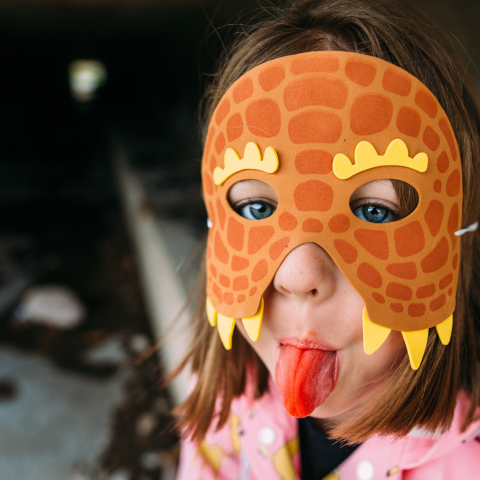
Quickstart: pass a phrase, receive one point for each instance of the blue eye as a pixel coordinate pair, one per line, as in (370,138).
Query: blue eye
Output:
(374,213)
(255,210)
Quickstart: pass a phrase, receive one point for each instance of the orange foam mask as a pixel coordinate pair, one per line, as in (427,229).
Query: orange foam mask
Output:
(315,127)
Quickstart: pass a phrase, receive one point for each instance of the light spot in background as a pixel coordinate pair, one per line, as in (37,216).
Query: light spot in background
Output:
(85,78)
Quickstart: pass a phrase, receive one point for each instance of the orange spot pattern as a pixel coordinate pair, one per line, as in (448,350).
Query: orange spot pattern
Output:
(315,126)
(446,281)
(287,222)
(234,127)
(222,111)
(220,142)
(426,102)
(208,183)
(228,298)
(416,309)
(348,252)
(369,275)
(314,162)
(374,242)
(370,114)
(312,225)
(311,91)
(409,121)
(431,138)
(240,283)
(438,303)
(396,83)
(271,78)
(339,223)
(453,183)
(407,270)
(221,213)
(409,239)
(220,251)
(317,63)
(452,225)
(436,258)
(243,90)
(399,291)
(434,216)
(455,262)
(235,234)
(224,281)
(313,196)
(360,72)
(263,118)
(442,162)
(443,124)
(260,270)
(278,247)
(258,237)
(426,291)
(396,307)
(239,263)
(378,297)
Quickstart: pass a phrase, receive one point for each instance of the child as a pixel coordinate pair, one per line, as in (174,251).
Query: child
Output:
(339,175)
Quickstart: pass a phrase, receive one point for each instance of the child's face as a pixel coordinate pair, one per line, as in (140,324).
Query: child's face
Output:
(310,305)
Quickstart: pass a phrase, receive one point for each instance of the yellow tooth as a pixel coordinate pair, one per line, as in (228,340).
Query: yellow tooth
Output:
(373,335)
(444,330)
(416,343)
(226,326)
(253,324)
(211,313)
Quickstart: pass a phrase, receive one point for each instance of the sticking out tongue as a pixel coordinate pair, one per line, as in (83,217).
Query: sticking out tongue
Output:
(304,378)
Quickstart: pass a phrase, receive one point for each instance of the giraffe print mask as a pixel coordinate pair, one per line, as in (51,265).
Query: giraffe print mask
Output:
(315,127)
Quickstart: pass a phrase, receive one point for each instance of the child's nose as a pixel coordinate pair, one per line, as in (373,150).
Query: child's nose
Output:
(308,272)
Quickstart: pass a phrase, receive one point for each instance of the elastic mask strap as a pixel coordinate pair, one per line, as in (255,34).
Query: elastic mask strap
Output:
(470,228)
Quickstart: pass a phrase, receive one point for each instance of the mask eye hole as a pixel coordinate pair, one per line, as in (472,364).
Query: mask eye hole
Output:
(253,199)
(384,201)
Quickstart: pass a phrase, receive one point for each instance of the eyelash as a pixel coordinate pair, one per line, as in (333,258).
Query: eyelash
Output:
(248,201)
(379,204)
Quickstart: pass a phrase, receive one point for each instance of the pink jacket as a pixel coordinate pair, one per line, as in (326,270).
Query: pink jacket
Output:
(260,442)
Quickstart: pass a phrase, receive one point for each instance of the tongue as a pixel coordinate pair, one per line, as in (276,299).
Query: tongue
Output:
(304,378)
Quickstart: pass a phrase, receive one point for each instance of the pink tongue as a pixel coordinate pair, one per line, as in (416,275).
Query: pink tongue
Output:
(304,378)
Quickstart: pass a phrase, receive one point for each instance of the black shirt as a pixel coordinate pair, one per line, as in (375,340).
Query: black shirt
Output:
(319,454)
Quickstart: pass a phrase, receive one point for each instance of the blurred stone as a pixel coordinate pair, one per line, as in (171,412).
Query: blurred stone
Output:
(146,424)
(139,343)
(51,305)
(110,351)
(120,474)
(150,460)
(162,406)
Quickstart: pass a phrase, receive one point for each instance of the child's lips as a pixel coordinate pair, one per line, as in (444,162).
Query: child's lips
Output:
(305,375)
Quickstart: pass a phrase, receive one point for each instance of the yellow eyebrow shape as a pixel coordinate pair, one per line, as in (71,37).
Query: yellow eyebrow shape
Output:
(252,160)
(366,157)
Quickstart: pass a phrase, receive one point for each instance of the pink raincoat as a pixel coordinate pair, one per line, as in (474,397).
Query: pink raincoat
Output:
(260,442)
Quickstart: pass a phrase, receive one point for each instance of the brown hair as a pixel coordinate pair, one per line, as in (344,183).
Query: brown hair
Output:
(396,32)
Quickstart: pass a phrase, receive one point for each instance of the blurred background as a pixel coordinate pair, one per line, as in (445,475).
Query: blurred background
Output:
(103,223)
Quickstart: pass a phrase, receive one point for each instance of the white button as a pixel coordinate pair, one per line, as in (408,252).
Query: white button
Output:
(365,470)
(266,436)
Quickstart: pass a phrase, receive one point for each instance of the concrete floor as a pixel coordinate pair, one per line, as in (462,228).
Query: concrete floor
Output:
(57,423)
